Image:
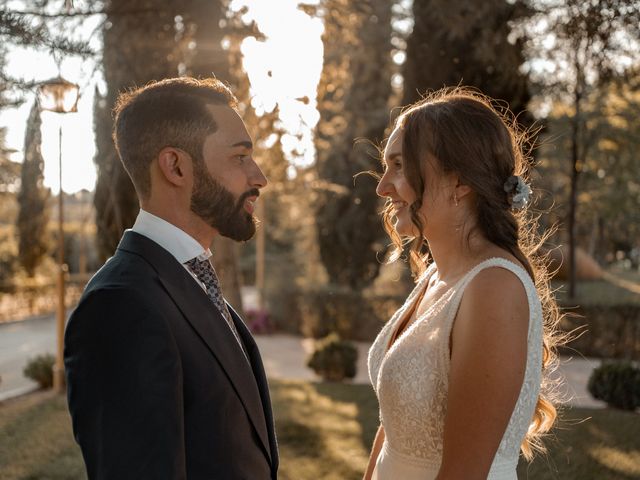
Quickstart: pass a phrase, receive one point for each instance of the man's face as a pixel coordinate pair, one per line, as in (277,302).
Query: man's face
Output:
(226,186)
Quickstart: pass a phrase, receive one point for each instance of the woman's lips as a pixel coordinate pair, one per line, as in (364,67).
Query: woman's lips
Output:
(399,205)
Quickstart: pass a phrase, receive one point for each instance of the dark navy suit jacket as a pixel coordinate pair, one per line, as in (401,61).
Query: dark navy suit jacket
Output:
(157,385)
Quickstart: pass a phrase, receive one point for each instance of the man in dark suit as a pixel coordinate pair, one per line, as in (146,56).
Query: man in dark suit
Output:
(164,379)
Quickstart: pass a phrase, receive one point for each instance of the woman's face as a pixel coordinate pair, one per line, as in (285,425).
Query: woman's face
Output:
(437,199)
(394,185)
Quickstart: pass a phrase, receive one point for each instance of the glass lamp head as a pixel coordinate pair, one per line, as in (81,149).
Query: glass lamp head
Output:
(58,95)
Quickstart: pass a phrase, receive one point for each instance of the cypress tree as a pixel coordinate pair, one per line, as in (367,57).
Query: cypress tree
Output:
(457,42)
(32,198)
(353,97)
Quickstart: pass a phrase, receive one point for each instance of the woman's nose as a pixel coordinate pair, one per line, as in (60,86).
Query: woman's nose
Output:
(384,186)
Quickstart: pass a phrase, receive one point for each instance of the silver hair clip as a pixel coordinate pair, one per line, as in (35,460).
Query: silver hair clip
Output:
(519,192)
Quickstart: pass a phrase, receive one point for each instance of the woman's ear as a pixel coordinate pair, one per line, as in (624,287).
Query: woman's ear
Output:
(175,166)
(461,190)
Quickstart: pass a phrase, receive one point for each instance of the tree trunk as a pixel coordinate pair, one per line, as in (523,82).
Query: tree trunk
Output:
(138,48)
(575,173)
(353,103)
(225,260)
(573,200)
(202,21)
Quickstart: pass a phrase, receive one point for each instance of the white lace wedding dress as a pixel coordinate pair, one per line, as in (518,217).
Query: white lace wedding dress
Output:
(411,382)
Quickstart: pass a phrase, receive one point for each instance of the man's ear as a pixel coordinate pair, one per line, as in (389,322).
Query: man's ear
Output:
(175,166)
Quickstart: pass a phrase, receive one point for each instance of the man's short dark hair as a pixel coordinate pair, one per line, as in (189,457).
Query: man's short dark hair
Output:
(167,113)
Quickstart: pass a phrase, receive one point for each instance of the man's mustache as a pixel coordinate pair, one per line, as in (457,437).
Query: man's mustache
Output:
(254,192)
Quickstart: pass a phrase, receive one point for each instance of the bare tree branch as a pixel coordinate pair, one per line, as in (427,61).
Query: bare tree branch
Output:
(83,13)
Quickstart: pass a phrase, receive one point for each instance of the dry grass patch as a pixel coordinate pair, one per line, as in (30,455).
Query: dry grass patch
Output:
(36,441)
(324,431)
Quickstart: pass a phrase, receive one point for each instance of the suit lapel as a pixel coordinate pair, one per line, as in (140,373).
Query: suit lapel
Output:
(261,380)
(209,324)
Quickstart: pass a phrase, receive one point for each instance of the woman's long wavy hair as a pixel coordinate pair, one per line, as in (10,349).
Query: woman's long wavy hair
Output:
(469,135)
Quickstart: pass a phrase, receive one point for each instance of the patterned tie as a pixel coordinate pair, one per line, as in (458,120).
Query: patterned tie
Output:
(207,275)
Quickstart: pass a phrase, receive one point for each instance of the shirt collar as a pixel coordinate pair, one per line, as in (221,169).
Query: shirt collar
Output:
(174,240)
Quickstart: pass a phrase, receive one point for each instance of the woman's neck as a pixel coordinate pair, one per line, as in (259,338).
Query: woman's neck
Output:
(456,255)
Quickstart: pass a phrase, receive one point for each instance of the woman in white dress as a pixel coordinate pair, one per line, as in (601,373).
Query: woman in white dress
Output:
(458,369)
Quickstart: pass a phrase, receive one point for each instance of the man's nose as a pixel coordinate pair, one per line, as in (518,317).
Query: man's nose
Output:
(257,178)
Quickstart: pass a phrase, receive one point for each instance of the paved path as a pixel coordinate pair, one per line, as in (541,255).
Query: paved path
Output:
(20,341)
(284,358)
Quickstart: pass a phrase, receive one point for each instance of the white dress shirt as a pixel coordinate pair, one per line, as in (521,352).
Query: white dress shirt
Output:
(177,242)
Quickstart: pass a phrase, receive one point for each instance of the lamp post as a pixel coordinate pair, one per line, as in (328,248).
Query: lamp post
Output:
(260,258)
(60,96)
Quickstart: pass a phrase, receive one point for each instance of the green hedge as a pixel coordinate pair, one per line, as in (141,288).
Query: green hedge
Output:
(350,314)
(611,331)
(607,331)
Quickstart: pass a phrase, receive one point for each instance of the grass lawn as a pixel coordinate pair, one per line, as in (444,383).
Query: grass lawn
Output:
(324,432)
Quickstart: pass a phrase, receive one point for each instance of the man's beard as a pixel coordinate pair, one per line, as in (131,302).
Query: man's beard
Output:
(214,204)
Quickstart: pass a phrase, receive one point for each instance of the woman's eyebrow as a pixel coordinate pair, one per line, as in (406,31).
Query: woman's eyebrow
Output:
(392,157)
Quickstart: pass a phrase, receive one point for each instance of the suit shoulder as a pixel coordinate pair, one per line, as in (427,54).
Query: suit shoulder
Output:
(123,269)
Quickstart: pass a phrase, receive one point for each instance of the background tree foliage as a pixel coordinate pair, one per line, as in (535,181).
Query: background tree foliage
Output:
(470,43)
(138,47)
(32,198)
(588,44)
(609,185)
(319,221)
(9,170)
(9,182)
(31,27)
(163,41)
(207,24)
(353,101)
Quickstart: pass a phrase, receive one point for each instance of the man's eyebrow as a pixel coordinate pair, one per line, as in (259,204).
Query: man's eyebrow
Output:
(245,143)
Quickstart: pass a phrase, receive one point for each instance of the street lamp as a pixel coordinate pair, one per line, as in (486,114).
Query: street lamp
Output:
(60,96)
(260,258)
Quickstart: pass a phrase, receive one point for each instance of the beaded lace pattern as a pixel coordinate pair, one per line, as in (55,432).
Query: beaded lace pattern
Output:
(411,378)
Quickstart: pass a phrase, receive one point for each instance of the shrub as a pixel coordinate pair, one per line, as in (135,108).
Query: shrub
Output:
(334,359)
(617,383)
(40,370)
(351,314)
(612,330)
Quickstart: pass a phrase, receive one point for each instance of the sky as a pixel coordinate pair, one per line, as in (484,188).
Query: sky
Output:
(292,54)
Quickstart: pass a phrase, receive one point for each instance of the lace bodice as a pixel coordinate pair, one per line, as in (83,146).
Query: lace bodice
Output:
(411,378)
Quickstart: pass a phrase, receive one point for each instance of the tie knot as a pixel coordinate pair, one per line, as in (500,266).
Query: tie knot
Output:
(203,270)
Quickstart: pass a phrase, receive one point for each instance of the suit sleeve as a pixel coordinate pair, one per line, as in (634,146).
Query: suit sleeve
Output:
(124,386)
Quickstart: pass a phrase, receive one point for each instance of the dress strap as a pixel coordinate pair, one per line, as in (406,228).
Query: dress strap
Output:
(410,305)
(500,262)
(516,269)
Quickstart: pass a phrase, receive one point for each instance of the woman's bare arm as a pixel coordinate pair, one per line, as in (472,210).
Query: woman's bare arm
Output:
(375,451)
(488,361)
